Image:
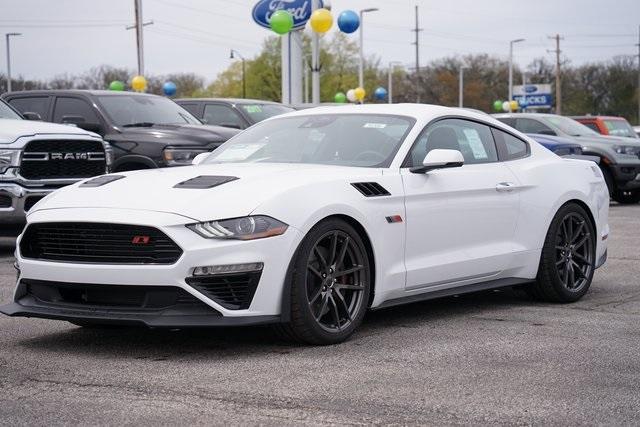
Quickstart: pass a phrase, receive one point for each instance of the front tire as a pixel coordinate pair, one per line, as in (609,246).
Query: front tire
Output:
(330,285)
(567,263)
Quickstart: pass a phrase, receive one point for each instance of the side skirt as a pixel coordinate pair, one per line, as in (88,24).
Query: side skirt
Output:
(457,290)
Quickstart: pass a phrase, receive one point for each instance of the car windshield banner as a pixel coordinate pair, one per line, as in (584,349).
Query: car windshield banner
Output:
(534,95)
(299,9)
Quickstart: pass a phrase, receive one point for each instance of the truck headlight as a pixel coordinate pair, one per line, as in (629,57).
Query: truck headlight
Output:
(8,159)
(626,149)
(244,228)
(181,156)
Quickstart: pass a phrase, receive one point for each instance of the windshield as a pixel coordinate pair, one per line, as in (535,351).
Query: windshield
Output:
(259,112)
(570,126)
(136,110)
(364,140)
(620,128)
(7,113)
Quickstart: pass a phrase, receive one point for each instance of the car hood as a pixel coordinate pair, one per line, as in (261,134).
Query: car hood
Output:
(11,129)
(155,190)
(183,134)
(606,139)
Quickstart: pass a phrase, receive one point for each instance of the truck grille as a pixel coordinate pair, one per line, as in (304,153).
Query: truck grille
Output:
(98,243)
(58,159)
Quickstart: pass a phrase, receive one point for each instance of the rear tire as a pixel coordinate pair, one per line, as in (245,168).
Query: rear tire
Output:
(567,263)
(330,285)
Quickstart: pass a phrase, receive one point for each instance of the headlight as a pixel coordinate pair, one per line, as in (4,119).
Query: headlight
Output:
(245,228)
(9,158)
(180,156)
(626,149)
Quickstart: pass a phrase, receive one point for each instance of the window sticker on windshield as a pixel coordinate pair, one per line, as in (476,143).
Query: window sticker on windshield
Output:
(252,109)
(239,151)
(475,143)
(375,125)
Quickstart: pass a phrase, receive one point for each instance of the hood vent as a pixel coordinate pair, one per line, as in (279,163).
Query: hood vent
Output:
(101,180)
(205,181)
(371,189)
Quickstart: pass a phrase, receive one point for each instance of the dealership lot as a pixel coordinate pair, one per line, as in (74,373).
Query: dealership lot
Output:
(486,358)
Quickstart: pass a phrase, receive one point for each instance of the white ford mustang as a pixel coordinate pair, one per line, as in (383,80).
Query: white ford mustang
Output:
(309,219)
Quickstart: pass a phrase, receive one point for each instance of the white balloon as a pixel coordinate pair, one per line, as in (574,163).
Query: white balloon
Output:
(351,95)
(506,106)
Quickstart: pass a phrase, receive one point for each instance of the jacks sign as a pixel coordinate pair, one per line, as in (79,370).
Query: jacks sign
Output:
(535,95)
(299,9)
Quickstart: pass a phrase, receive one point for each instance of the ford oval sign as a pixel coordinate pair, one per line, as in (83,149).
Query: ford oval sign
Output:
(299,9)
(530,89)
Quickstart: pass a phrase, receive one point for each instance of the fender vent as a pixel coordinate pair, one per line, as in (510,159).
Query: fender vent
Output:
(205,181)
(371,189)
(101,180)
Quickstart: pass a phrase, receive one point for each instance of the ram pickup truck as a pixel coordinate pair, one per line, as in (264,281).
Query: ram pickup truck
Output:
(145,131)
(37,158)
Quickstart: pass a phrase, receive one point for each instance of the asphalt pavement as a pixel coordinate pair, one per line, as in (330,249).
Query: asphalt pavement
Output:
(488,358)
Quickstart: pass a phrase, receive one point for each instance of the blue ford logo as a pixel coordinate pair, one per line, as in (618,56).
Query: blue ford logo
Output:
(530,88)
(299,9)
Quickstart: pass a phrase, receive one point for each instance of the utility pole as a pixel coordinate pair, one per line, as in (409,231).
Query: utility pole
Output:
(361,31)
(638,75)
(557,51)
(461,85)
(8,36)
(139,37)
(417,30)
(392,65)
(315,60)
(511,43)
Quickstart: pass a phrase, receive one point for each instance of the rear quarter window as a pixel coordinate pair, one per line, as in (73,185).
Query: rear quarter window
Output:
(509,146)
(32,104)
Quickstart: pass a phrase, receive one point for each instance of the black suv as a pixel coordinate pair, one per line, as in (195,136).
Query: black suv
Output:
(232,113)
(145,131)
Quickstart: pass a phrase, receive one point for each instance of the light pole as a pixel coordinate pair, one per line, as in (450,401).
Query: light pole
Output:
(244,81)
(7,36)
(361,65)
(392,66)
(461,84)
(511,43)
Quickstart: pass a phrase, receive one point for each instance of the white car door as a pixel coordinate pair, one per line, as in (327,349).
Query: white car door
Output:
(460,222)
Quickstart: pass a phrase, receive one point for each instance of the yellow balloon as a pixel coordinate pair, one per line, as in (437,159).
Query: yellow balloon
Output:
(360,93)
(321,20)
(514,105)
(139,83)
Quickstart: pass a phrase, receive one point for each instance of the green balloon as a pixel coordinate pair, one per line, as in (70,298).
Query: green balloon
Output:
(281,22)
(116,85)
(340,98)
(497,105)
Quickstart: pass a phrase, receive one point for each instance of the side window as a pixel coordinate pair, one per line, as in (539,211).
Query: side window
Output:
(510,147)
(35,104)
(73,110)
(192,108)
(592,126)
(472,139)
(533,126)
(221,115)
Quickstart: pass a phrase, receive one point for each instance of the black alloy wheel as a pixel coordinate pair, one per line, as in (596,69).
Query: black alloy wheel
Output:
(330,285)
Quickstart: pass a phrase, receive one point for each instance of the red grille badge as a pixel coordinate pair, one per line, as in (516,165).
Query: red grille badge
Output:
(141,240)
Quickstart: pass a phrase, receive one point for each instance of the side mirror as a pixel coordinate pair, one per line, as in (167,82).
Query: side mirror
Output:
(230,125)
(440,159)
(199,158)
(28,115)
(547,132)
(91,127)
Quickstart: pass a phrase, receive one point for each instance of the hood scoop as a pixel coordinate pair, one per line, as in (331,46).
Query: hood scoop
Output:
(101,180)
(205,181)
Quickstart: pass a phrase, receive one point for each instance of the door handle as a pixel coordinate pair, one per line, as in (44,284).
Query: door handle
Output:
(505,186)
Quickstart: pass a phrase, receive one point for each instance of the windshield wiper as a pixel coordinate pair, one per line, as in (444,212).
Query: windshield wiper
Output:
(139,125)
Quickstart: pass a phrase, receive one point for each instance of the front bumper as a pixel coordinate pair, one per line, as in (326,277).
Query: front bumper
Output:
(21,200)
(265,307)
(627,177)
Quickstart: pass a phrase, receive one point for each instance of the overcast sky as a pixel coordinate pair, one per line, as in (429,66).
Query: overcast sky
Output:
(71,36)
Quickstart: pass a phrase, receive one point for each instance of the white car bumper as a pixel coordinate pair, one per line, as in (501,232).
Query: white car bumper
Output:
(274,253)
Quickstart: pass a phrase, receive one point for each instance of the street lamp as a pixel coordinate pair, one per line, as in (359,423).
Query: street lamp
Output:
(244,81)
(361,66)
(461,84)
(392,66)
(7,36)
(511,43)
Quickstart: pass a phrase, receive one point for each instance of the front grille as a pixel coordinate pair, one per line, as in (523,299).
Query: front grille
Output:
(98,243)
(58,159)
(111,297)
(232,291)
(5,202)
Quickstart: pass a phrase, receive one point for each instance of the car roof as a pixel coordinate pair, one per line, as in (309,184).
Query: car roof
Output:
(229,100)
(525,115)
(598,118)
(79,92)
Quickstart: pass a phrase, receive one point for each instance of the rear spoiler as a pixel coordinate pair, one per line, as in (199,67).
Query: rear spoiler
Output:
(594,159)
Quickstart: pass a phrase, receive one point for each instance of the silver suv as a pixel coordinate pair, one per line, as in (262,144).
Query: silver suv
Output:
(619,156)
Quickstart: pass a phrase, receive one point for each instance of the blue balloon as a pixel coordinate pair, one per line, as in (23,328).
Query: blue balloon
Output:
(169,88)
(380,93)
(348,21)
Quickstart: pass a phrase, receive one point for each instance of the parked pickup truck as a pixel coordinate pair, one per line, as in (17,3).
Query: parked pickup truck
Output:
(37,158)
(145,131)
(608,125)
